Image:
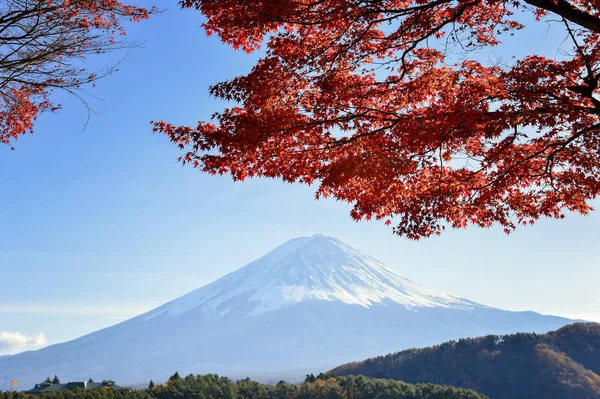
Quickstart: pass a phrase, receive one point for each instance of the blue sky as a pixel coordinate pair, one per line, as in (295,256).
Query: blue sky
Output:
(100,224)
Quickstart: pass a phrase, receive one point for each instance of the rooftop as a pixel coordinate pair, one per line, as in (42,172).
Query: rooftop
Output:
(70,386)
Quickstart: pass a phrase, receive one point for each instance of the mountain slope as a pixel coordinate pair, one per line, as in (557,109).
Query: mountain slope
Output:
(314,268)
(310,304)
(562,364)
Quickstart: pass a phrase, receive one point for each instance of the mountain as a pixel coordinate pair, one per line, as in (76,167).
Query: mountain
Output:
(563,364)
(306,306)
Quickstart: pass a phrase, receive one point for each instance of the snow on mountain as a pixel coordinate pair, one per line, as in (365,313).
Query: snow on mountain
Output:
(310,268)
(309,305)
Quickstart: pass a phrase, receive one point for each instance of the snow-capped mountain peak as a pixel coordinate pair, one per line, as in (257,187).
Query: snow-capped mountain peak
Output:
(317,268)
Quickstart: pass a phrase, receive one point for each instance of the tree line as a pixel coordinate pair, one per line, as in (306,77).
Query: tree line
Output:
(563,364)
(212,386)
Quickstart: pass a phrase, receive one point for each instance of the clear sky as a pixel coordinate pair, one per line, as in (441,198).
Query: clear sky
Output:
(101,224)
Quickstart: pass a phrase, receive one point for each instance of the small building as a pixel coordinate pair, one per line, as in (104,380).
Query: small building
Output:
(46,386)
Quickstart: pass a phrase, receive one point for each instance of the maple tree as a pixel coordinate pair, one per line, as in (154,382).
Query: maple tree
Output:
(42,44)
(387,105)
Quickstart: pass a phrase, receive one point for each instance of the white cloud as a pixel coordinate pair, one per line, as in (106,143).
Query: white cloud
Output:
(13,342)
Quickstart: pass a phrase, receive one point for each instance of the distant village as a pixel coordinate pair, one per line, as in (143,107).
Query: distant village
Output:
(55,386)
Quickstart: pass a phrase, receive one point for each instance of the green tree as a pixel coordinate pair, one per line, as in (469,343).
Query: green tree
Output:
(151,385)
(56,380)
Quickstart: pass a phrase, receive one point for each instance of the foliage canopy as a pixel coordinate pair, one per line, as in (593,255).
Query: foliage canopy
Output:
(388,106)
(42,44)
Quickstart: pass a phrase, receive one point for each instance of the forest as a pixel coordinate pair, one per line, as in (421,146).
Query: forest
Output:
(212,386)
(560,364)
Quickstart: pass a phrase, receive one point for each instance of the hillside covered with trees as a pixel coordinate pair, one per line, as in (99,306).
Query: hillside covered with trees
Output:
(215,387)
(560,364)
